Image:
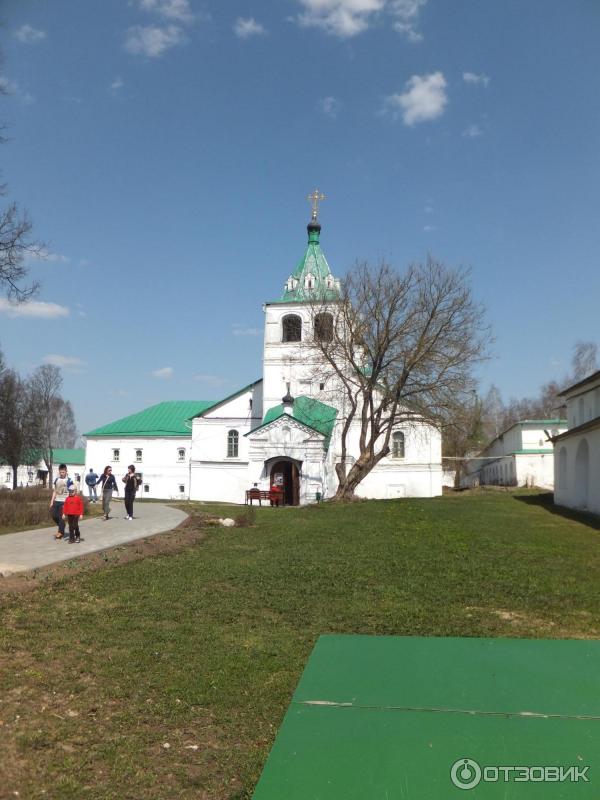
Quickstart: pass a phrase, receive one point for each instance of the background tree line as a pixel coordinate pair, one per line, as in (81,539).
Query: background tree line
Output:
(34,418)
(470,426)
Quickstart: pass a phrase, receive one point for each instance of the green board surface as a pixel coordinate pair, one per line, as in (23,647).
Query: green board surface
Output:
(387,718)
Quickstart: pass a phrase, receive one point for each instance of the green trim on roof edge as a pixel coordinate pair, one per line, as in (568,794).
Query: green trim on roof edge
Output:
(218,403)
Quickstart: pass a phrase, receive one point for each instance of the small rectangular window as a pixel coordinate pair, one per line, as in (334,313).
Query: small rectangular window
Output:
(146,487)
(181,455)
(116,454)
(8,476)
(138,455)
(181,488)
(321,386)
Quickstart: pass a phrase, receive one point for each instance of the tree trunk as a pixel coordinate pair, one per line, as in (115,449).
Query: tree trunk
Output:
(457,476)
(360,469)
(14,474)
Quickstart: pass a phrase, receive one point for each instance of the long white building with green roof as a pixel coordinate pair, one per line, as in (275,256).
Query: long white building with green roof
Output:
(283,429)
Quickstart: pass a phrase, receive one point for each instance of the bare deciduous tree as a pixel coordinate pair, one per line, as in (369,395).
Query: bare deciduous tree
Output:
(56,418)
(20,431)
(462,434)
(16,243)
(15,246)
(401,349)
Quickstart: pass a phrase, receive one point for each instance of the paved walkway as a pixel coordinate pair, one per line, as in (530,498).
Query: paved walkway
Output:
(33,549)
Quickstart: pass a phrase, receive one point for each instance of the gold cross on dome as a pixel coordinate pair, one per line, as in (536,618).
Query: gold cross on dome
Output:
(315,198)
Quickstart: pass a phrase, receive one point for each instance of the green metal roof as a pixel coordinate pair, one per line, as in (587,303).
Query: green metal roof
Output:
(163,419)
(68,456)
(314,263)
(310,412)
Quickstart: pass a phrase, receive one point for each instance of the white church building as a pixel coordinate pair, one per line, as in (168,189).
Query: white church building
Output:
(283,429)
(577,451)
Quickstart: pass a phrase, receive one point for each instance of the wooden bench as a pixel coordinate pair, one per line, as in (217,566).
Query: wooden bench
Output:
(257,494)
(263,494)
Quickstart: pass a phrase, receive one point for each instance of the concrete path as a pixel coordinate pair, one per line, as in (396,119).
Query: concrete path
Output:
(33,549)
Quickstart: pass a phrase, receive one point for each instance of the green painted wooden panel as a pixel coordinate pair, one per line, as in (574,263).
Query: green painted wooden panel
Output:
(384,718)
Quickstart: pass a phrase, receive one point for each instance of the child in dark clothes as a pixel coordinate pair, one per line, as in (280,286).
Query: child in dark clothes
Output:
(73,512)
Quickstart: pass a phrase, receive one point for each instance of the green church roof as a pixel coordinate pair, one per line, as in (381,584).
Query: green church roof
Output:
(163,419)
(308,411)
(312,263)
(68,455)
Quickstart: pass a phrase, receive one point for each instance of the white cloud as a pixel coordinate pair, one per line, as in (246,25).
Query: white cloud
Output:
(9,86)
(344,18)
(43,254)
(32,308)
(178,10)
(476,80)
(424,99)
(151,40)
(164,373)
(117,84)
(29,35)
(330,106)
(245,28)
(210,380)
(241,330)
(69,363)
(472,131)
(407,18)
(428,228)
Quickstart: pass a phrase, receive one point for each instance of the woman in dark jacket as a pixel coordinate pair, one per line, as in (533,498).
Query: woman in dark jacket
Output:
(109,485)
(131,484)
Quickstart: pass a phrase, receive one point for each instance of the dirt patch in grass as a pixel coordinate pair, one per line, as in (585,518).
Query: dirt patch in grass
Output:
(188,533)
(525,623)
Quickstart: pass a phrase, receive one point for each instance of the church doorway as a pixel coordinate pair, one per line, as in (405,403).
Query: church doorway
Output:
(285,474)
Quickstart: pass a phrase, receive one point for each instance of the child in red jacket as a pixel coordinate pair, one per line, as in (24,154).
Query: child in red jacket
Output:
(73,512)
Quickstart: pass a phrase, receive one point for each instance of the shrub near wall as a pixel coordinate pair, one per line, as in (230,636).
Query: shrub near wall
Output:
(24,508)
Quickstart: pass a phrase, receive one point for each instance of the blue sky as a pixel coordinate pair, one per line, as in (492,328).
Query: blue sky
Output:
(165,148)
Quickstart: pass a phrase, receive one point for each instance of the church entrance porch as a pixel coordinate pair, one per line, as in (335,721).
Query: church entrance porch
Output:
(285,475)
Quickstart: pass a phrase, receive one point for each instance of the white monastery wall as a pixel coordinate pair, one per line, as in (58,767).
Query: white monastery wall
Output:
(163,468)
(577,471)
(219,469)
(577,456)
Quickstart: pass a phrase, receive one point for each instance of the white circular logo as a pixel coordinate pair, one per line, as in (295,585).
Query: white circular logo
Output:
(465,773)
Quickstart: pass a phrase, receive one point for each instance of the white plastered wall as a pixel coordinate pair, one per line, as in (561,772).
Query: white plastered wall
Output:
(216,476)
(162,471)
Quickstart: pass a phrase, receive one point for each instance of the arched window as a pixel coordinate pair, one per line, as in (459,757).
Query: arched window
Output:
(324,327)
(292,328)
(233,439)
(181,454)
(397,444)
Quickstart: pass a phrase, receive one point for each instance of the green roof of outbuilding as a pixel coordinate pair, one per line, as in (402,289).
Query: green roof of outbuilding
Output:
(163,419)
(308,411)
(68,456)
(314,263)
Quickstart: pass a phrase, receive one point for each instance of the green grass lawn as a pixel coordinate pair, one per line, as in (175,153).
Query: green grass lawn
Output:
(201,650)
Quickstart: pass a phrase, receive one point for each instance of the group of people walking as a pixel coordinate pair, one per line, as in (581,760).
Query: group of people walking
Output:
(66,504)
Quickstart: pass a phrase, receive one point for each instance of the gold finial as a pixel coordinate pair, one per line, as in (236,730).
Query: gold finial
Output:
(315,198)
